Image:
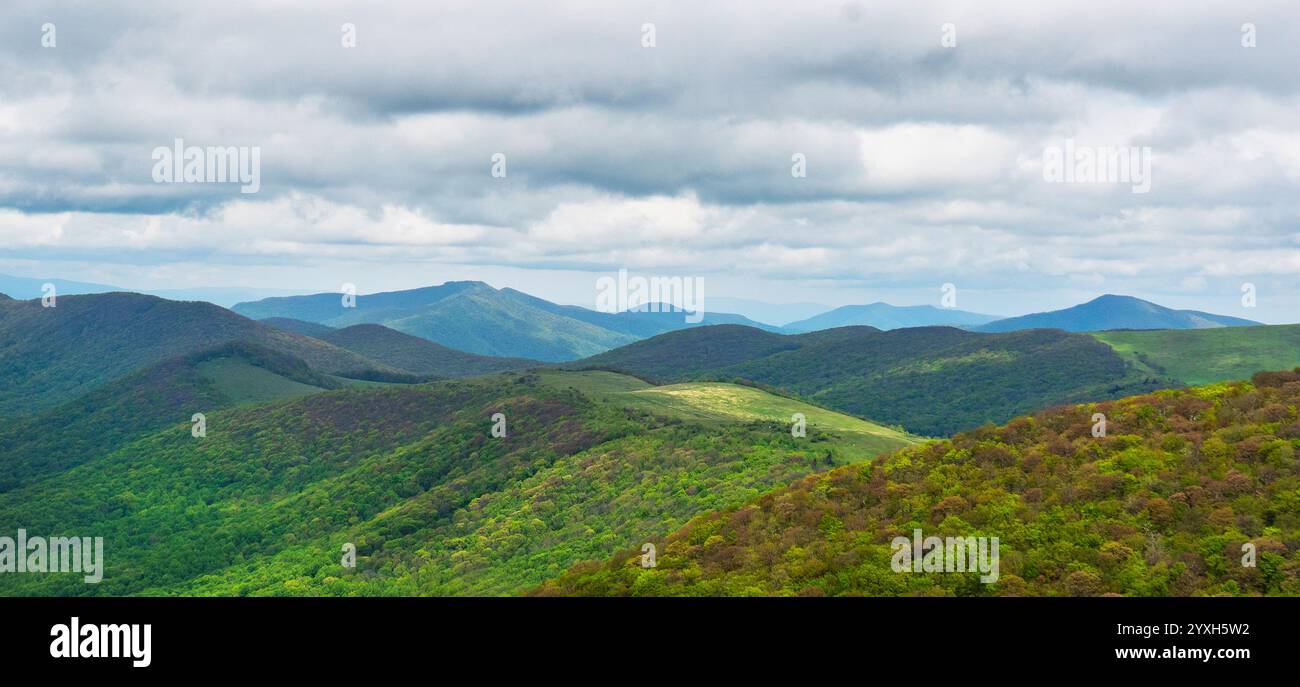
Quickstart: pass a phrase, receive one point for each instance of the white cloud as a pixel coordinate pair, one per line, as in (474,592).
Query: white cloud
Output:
(924,163)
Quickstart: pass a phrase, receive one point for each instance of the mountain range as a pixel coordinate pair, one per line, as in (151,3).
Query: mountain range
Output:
(929,380)
(474,317)
(886,316)
(591,462)
(477,318)
(1138,511)
(318,435)
(1115,312)
(51,355)
(24,288)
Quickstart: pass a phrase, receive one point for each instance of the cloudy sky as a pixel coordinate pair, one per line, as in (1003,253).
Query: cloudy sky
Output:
(924,161)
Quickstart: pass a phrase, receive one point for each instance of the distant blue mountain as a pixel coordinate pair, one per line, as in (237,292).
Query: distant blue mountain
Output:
(885,316)
(1116,312)
(762,311)
(224,296)
(26,288)
(474,317)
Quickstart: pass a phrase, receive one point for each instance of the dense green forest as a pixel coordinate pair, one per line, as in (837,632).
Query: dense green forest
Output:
(416,355)
(413,477)
(1163,504)
(156,397)
(49,356)
(929,380)
(314,443)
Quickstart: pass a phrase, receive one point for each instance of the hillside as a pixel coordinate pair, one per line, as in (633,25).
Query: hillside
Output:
(417,355)
(412,476)
(145,401)
(681,354)
(642,321)
(929,380)
(885,316)
(1162,505)
(466,316)
(477,318)
(303,327)
(718,402)
(51,355)
(1115,312)
(1202,356)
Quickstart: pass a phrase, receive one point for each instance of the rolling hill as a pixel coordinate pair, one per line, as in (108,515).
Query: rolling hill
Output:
(417,355)
(303,327)
(885,316)
(1163,505)
(145,401)
(51,355)
(929,380)
(720,402)
(412,476)
(683,354)
(1115,312)
(477,318)
(1202,356)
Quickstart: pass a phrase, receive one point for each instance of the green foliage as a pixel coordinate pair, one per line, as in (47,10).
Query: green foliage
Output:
(1202,356)
(689,353)
(718,402)
(50,356)
(412,477)
(416,355)
(929,380)
(1162,505)
(156,397)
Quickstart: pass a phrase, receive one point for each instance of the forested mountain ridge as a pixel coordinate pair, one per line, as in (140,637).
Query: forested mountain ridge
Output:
(416,478)
(474,317)
(1183,484)
(929,380)
(51,355)
(160,395)
(416,355)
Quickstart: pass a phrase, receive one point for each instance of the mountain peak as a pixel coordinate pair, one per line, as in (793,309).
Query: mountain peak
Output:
(1119,298)
(882,315)
(1116,311)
